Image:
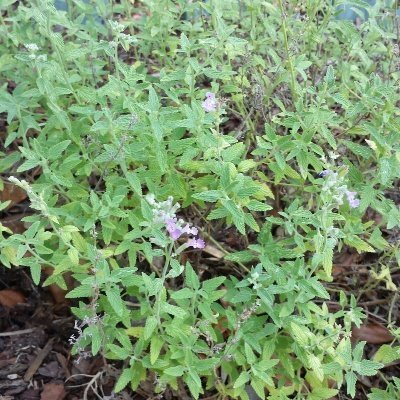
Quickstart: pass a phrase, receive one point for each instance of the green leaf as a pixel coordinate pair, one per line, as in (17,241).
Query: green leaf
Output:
(134,181)
(191,278)
(237,215)
(153,103)
(315,365)
(184,293)
(259,387)
(210,195)
(251,222)
(150,326)
(175,371)
(242,379)
(173,310)
(73,255)
(324,393)
(114,298)
(217,213)
(185,43)
(195,389)
(28,164)
(123,380)
(96,339)
(212,284)
(351,380)
(367,367)
(250,356)
(358,244)
(299,334)
(119,353)
(387,354)
(176,269)
(36,271)
(330,76)
(155,348)
(255,205)
(80,291)
(55,151)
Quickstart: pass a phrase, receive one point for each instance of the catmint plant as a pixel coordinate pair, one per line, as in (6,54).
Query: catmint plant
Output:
(131,163)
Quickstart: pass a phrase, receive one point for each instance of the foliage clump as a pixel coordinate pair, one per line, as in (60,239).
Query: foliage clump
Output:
(272,120)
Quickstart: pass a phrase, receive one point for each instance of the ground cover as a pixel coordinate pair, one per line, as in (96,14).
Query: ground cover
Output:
(199,199)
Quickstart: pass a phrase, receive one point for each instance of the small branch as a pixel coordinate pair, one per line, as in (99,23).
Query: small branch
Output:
(15,333)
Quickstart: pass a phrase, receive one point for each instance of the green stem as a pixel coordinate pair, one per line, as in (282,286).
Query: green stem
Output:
(116,61)
(163,277)
(289,58)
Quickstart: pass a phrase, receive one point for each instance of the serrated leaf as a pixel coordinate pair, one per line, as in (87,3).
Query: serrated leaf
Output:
(330,76)
(212,284)
(150,326)
(36,271)
(299,334)
(73,255)
(351,380)
(255,205)
(155,348)
(28,164)
(173,310)
(242,379)
(324,393)
(55,151)
(210,195)
(80,291)
(387,354)
(315,365)
(175,371)
(114,298)
(123,380)
(367,367)
(184,293)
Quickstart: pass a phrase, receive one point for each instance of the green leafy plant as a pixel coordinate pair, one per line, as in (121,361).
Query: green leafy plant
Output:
(268,119)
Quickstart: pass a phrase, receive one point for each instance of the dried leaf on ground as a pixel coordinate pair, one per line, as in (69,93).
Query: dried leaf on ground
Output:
(10,298)
(213,251)
(50,370)
(14,222)
(13,193)
(373,333)
(53,391)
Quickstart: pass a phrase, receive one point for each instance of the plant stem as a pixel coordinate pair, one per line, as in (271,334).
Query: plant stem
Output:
(289,58)
(163,277)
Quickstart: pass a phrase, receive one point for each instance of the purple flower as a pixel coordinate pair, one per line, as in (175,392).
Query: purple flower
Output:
(173,229)
(164,213)
(196,243)
(325,172)
(351,198)
(190,230)
(210,103)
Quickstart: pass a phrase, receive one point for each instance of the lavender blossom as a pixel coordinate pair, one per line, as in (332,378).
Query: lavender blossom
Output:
(351,198)
(210,104)
(173,229)
(196,243)
(325,172)
(165,213)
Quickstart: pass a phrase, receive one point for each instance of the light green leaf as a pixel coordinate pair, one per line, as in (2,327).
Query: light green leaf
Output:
(210,195)
(351,380)
(150,326)
(155,348)
(175,371)
(242,379)
(123,380)
(114,298)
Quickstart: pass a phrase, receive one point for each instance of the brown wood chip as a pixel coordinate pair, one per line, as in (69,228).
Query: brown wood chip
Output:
(37,362)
